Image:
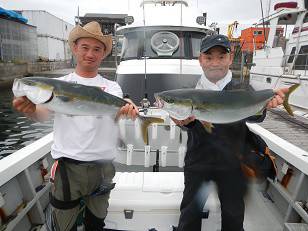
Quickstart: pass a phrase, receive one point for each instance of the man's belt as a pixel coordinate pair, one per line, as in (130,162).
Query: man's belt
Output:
(78,162)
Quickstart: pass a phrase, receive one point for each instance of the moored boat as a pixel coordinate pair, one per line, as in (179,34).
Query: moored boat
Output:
(283,61)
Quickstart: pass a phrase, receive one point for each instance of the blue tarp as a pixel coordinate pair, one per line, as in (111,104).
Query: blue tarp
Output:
(13,15)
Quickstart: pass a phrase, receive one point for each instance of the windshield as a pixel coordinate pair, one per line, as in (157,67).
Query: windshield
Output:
(161,44)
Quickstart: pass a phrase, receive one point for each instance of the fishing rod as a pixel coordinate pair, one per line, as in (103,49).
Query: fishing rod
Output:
(264,35)
(144,53)
(181,43)
(263,24)
(145,103)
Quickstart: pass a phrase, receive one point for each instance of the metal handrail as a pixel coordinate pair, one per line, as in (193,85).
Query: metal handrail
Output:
(287,66)
(173,2)
(299,67)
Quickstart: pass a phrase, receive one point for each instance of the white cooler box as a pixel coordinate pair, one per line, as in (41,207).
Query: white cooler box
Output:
(145,200)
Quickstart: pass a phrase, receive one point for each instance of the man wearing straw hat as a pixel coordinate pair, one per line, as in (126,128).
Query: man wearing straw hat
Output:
(84,146)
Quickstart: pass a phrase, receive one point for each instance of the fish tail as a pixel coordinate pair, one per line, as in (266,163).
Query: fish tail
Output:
(286,99)
(145,123)
(17,90)
(208,126)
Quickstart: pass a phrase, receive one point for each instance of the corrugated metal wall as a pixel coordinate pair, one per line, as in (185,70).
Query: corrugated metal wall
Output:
(52,34)
(18,42)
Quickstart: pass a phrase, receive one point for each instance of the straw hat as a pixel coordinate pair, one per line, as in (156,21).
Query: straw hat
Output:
(90,30)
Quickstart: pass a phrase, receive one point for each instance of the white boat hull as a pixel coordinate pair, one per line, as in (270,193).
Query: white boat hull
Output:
(298,98)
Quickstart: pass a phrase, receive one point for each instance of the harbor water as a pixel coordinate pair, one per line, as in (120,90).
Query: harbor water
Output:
(17,131)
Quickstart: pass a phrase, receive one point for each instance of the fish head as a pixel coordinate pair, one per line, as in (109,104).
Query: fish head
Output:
(177,107)
(163,99)
(37,90)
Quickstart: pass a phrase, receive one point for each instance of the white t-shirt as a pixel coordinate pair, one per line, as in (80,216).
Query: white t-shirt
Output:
(86,138)
(206,84)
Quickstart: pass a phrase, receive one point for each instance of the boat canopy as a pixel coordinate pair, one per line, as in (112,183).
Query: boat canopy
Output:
(287,13)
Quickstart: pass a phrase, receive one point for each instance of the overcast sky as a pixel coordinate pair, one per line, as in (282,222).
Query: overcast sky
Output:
(246,12)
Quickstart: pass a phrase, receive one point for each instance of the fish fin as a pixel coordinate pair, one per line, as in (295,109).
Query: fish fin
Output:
(208,126)
(286,100)
(260,112)
(145,123)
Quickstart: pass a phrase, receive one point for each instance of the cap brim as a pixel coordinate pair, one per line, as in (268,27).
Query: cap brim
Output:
(205,49)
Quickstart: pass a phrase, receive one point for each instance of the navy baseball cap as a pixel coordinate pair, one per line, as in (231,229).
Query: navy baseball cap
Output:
(215,40)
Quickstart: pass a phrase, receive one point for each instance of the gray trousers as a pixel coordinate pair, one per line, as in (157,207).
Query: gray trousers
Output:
(83,180)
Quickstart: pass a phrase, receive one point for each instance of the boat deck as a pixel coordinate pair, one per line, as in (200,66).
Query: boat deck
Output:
(292,129)
(260,212)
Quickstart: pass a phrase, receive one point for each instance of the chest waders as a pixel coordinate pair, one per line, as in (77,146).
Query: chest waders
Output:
(92,223)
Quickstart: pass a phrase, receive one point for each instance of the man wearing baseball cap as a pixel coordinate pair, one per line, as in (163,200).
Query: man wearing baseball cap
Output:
(215,59)
(84,146)
(215,40)
(214,156)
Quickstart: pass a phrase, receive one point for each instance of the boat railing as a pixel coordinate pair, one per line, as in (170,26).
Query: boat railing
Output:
(289,152)
(295,62)
(23,188)
(20,160)
(164,2)
(289,63)
(293,160)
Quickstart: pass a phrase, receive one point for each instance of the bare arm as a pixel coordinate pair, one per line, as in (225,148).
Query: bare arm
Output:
(30,110)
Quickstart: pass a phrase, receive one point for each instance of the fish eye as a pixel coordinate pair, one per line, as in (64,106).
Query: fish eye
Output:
(30,83)
(169,100)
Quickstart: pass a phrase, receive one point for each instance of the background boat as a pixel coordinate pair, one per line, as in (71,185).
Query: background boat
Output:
(283,61)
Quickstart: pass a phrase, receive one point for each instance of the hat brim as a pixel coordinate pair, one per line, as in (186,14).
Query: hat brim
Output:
(78,32)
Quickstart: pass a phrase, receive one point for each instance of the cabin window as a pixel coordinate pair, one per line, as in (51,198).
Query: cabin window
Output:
(195,44)
(305,18)
(137,44)
(132,46)
(257,32)
(291,57)
(301,62)
(161,44)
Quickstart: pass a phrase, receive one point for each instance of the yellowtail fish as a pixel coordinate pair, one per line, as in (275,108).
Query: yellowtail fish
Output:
(217,106)
(74,99)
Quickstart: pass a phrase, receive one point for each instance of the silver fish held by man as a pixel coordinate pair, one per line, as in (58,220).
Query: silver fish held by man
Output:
(217,106)
(74,99)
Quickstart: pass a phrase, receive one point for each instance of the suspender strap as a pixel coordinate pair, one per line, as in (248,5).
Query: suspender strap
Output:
(67,203)
(65,181)
(53,171)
